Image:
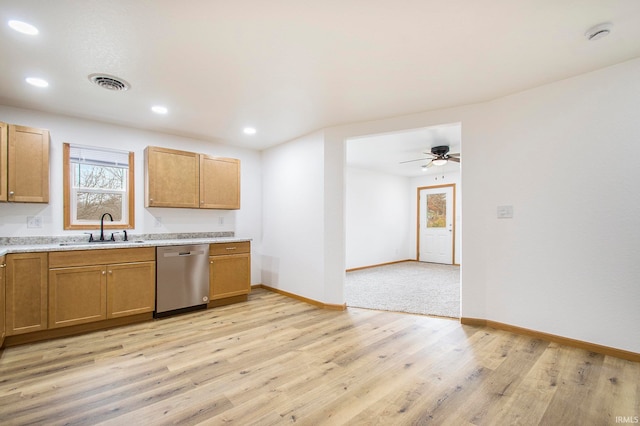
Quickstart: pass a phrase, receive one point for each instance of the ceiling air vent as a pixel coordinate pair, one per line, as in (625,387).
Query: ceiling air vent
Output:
(109,82)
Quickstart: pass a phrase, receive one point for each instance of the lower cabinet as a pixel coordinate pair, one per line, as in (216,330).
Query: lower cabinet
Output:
(77,295)
(229,270)
(2,286)
(26,293)
(131,289)
(83,294)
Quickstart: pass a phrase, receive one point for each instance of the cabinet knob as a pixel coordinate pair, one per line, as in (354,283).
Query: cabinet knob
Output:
(11,193)
(104,272)
(111,272)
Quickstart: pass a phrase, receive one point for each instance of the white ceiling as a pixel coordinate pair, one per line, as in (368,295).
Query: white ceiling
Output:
(289,67)
(386,152)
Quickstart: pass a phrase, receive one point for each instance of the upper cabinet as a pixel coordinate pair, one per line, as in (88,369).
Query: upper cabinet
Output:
(171,178)
(219,183)
(3,161)
(184,179)
(24,164)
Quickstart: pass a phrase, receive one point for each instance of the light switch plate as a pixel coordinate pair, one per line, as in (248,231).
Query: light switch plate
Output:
(505,212)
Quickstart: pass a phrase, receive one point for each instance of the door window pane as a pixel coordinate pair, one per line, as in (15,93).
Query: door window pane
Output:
(437,210)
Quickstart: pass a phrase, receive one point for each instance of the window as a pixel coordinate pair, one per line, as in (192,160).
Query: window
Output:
(97,181)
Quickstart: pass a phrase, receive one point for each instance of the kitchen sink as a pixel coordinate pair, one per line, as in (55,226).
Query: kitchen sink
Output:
(97,243)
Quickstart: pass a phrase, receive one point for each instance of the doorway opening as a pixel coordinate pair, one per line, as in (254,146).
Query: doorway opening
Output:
(385,267)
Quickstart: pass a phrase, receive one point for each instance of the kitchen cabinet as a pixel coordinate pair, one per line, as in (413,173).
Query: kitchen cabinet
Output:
(172,178)
(219,183)
(93,285)
(229,270)
(26,293)
(24,164)
(131,288)
(2,297)
(4,134)
(77,295)
(189,180)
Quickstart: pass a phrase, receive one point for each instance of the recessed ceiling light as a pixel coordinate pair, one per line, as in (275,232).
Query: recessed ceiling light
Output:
(38,82)
(158,109)
(23,27)
(598,32)
(249,130)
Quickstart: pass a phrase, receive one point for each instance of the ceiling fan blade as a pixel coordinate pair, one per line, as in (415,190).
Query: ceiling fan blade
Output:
(429,164)
(455,160)
(457,154)
(411,161)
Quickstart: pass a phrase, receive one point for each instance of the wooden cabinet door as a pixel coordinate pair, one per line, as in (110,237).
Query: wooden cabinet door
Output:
(229,275)
(131,289)
(171,178)
(2,298)
(219,182)
(3,161)
(26,293)
(28,165)
(77,295)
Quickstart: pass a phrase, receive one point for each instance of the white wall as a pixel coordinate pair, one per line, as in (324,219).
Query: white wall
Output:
(293,217)
(568,261)
(564,155)
(246,222)
(378,224)
(433,179)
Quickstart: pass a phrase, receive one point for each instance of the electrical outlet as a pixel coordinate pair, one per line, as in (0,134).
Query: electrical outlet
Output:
(221,220)
(34,221)
(505,212)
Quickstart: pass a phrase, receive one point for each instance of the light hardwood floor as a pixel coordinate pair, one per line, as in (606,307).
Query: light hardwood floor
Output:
(275,360)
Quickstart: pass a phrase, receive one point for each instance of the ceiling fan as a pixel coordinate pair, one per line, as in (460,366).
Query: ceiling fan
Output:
(439,156)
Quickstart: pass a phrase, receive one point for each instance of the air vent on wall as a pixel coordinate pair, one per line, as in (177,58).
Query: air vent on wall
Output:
(109,82)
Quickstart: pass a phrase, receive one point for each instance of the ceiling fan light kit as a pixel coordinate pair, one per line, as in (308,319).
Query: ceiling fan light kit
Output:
(439,156)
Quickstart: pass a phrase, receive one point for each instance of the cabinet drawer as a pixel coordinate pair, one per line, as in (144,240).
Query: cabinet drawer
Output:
(62,259)
(229,248)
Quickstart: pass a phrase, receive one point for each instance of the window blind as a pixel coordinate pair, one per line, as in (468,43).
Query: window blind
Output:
(98,156)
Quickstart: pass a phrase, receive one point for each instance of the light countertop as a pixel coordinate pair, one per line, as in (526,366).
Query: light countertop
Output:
(67,246)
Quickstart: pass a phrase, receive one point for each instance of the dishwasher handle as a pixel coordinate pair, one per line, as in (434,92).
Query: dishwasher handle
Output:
(183,253)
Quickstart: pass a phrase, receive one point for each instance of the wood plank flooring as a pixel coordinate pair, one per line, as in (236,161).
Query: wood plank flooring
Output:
(273,360)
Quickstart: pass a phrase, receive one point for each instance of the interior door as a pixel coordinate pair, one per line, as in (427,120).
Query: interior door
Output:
(436,224)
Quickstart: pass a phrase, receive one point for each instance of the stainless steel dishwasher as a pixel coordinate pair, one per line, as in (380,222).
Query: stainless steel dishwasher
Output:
(182,278)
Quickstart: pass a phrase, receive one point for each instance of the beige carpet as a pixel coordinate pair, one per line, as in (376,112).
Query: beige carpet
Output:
(413,287)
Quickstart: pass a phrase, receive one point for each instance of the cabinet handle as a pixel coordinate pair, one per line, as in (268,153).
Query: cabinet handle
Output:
(4,265)
(230,248)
